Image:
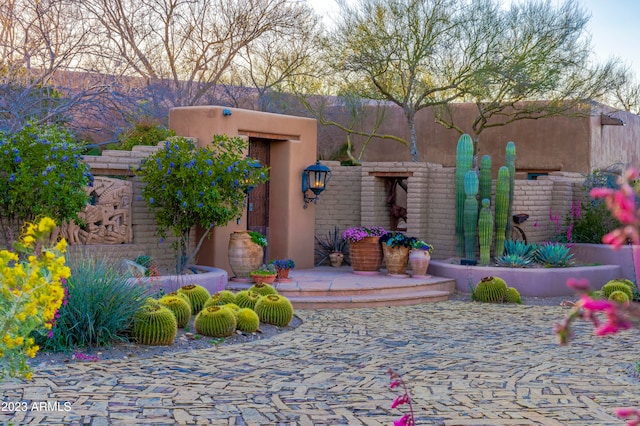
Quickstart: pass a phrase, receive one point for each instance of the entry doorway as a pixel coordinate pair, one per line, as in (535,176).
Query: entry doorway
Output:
(258,200)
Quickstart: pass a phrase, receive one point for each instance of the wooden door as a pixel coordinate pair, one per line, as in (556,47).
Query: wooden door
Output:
(258,203)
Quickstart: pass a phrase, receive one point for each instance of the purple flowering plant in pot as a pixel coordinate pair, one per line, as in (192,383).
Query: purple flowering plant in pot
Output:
(364,247)
(358,233)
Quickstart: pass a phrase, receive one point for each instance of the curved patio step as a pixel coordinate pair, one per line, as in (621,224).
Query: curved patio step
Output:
(326,287)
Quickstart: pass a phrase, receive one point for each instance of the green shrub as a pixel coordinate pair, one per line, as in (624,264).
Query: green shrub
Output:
(594,223)
(590,220)
(100,308)
(41,174)
(143,133)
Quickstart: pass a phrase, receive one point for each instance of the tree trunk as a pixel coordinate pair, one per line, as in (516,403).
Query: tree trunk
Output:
(413,136)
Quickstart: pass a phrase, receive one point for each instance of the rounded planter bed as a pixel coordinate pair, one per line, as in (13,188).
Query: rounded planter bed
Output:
(213,279)
(536,282)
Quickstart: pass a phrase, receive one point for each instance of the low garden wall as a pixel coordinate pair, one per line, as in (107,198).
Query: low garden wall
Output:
(536,282)
(213,279)
(626,257)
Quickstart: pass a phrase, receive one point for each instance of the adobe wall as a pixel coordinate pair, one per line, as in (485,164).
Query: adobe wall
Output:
(431,201)
(615,145)
(545,145)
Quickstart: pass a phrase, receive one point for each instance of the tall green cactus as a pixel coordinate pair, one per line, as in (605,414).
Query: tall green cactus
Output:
(485,223)
(510,162)
(485,177)
(502,207)
(464,162)
(470,213)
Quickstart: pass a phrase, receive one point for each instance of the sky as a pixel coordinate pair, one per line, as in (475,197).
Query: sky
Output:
(614,27)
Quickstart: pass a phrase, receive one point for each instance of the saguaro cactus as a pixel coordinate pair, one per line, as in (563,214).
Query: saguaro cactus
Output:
(470,213)
(464,161)
(485,177)
(502,207)
(485,223)
(510,162)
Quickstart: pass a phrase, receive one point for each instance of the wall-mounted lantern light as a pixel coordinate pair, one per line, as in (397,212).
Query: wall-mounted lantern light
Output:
(314,179)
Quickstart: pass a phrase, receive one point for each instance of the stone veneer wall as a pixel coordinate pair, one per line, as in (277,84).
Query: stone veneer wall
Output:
(356,195)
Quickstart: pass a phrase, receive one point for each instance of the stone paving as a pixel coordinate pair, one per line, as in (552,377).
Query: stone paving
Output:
(466,363)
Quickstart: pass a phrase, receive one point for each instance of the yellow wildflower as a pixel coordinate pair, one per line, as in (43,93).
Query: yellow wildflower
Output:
(61,246)
(28,240)
(46,225)
(32,351)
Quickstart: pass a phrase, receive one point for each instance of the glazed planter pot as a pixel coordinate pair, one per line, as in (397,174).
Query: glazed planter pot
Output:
(244,255)
(336,259)
(396,259)
(419,261)
(366,255)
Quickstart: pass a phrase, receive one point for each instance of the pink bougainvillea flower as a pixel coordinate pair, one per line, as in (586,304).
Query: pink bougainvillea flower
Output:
(394,384)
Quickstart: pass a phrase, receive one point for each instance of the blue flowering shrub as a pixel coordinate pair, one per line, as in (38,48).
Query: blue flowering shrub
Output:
(41,174)
(206,186)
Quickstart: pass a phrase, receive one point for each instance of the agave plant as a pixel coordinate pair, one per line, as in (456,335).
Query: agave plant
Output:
(514,261)
(520,248)
(554,255)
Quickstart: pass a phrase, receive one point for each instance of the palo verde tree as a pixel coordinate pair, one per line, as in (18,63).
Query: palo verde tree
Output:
(536,62)
(401,51)
(206,186)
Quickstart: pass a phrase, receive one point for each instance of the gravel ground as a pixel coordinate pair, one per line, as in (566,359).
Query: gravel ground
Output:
(187,339)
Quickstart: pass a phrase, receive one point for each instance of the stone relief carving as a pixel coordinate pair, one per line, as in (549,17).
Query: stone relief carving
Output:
(107,220)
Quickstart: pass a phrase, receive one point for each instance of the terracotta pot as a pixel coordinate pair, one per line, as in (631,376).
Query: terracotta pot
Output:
(366,255)
(396,259)
(336,259)
(244,255)
(419,261)
(268,279)
(283,274)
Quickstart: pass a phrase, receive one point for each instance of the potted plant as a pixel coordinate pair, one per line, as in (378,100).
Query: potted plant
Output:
(283,266)
(419,257)
(364,248)
(332,246)
(264,274)
(396,246)
(246,252)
